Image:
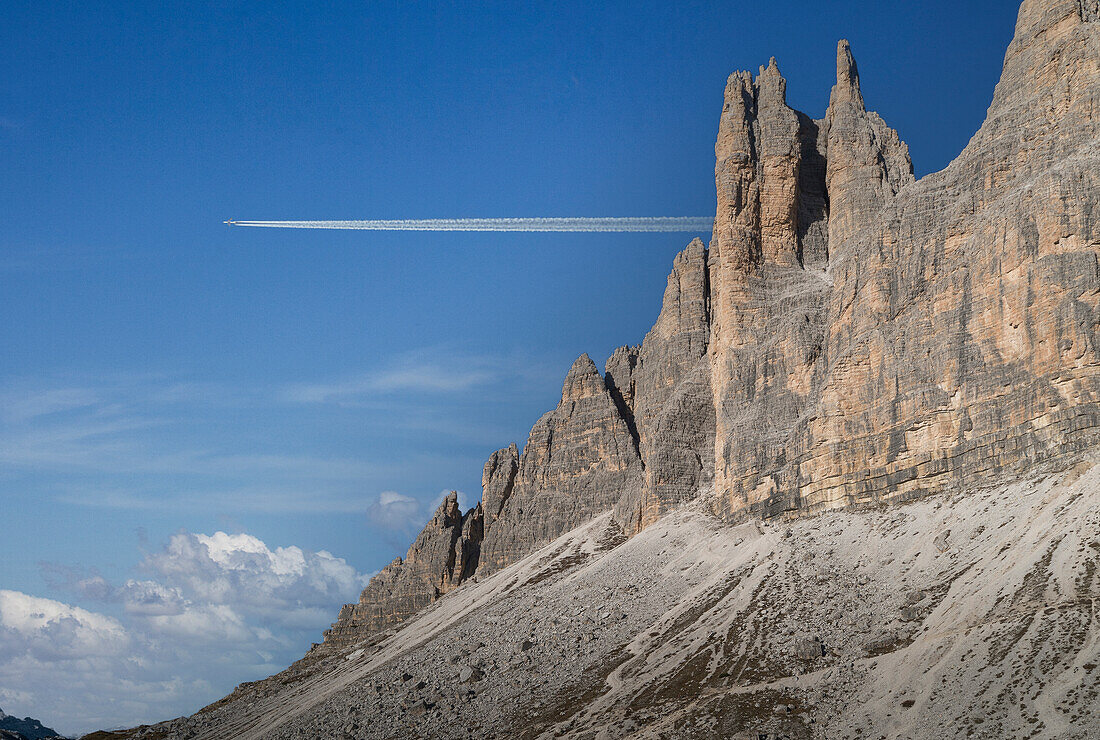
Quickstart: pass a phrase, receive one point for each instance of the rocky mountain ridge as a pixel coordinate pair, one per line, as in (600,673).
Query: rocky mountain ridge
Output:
(850,336)
(846,484)
(28,728)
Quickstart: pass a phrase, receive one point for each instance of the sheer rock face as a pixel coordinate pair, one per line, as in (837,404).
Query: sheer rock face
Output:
(768,286)
(960,326)
(444,553)
(851,335)
(964,325)
(578,461)
(667,394)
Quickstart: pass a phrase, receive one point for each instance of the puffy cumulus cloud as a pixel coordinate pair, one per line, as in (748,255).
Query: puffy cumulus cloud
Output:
(209,612)
(50,630)
(287,586)
(150,599)
(207,623)
(58,657)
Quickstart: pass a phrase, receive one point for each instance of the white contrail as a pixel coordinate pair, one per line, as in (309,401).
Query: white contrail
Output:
(678,224)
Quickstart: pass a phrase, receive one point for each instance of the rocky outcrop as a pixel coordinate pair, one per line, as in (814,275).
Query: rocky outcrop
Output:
(851,335)
(867,163)
(497,479)
(768,288)
(443,555)
(578,460)
(577,463)
(953,339)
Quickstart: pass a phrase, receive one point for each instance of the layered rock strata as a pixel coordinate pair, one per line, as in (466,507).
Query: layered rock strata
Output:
(961,339)
(578,461)
(851,335)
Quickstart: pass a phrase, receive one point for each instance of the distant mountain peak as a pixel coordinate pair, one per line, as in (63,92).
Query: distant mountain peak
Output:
(28,728)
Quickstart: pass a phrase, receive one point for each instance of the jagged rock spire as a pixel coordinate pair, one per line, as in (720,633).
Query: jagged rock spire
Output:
(444,553)
(756,175)
(867,161)
(497,478)
(847,88)
(448,510)
(578,460)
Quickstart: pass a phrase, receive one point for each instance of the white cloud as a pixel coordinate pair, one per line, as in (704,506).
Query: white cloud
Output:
(395,511)
(281,585)
(156,442)
(423,379)
(24,406)
(151,599)
(205,623)
(48,630)
(212,610)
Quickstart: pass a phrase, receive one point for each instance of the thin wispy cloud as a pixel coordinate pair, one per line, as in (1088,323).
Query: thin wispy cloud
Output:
(24,406)
(426,371)
(153,442)
(122,444)
(424,378)
(266,499)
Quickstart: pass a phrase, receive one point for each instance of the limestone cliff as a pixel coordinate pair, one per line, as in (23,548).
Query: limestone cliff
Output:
(851,335)
(959,313)
(497,480)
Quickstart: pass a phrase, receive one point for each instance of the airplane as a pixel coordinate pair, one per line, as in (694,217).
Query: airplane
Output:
(231,222)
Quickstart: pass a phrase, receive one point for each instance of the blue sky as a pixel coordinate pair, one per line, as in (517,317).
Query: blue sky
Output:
(166,378)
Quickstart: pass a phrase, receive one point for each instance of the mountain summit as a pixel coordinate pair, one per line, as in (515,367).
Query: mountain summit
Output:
(708,539)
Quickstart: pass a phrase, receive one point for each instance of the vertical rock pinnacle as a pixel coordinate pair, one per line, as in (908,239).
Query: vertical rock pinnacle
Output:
(847,77)
(867,161)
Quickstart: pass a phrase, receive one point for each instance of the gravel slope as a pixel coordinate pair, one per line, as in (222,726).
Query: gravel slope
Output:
(954,616)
